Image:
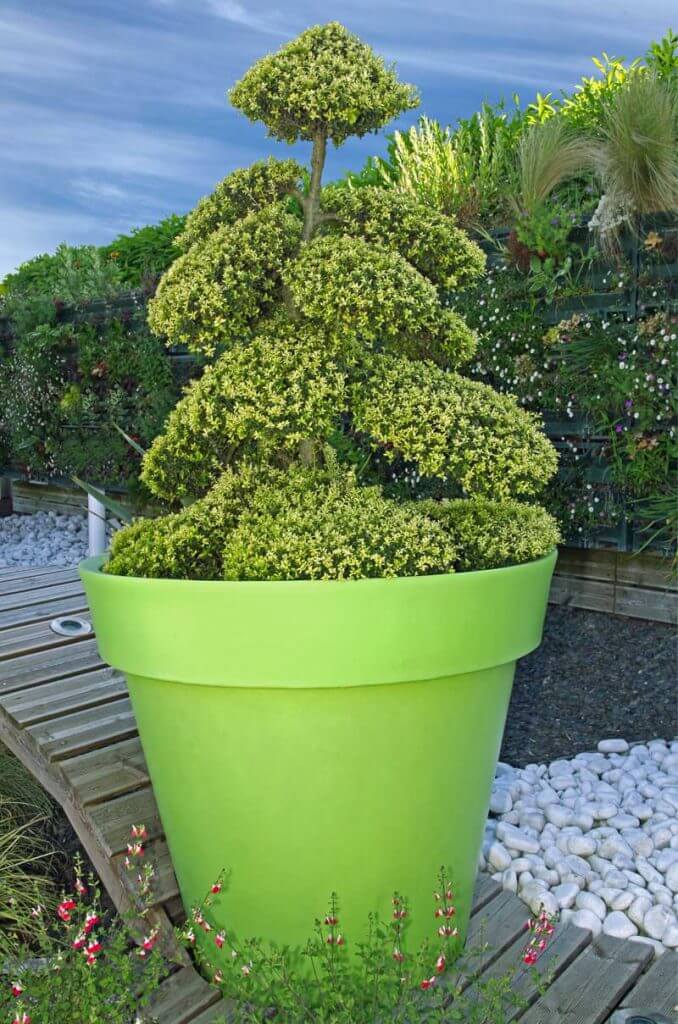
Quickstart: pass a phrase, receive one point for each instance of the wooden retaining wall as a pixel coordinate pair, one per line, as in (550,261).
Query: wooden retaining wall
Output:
(640,586)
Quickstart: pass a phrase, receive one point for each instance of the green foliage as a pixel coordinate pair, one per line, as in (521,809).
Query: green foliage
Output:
(260,401)
(465,173)
(213,295)
(335,979)
(66,982)
(145,253)
(187,544)
(428,240)
(611,383)
(325,81)
(25,854)
(456,429)
(244,191)
(549,154)
(350,286)
(489,534)
(304,527)
(327,330)
(638,158)
(66,387)
(72,276)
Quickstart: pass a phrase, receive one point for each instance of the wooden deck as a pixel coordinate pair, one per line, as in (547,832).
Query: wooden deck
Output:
(67,717)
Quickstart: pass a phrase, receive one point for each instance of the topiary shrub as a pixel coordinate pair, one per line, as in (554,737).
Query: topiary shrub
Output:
(333,370)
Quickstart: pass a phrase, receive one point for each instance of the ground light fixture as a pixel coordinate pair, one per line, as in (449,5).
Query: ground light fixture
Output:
(71,626)
(631,1016)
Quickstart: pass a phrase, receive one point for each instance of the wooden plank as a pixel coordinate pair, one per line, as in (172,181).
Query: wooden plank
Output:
(108,772)
(587,562)
(580,593)
(593,985)
(114,818)
(640,603)
(22,573)
(217,1014)
(645,570)
(64,696)
(491,932)
(165,885)
(38,578)
(52,609)
(73,734)
(45,666)
(182,997)
(486,889)
(38,595)
(27,639)
(657,989)
(567,944)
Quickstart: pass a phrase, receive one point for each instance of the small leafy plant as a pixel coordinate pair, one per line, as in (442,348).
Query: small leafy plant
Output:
(88,967)
(332,981)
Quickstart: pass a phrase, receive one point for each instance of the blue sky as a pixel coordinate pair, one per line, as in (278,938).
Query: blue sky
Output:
(113,114)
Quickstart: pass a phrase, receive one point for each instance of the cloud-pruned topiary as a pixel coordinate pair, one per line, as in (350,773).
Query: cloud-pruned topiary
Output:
(324,83)
(334,366)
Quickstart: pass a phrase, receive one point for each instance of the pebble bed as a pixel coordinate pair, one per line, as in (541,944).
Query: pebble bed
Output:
(43,538)
(593,839)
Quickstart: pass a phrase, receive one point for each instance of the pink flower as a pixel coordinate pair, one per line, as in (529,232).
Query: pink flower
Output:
(398,956)
(139,832)
(80,887)
(219,939)
(218,978)
(190,936)
(23,1019)
(17,989)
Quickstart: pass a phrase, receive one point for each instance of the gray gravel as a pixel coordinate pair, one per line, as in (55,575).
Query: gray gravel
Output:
(43,538)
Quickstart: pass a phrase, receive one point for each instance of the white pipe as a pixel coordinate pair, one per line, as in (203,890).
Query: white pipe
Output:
(96,526)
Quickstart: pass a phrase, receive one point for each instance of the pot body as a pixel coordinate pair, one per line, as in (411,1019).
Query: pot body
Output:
(321,736)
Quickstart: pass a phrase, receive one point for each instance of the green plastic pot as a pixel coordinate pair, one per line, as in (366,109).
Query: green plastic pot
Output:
(319,736)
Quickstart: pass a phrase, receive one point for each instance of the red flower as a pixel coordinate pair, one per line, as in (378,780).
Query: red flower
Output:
(218,978)
(139,832)
(331,920)
(150,940)
(428,983)
(64,909)
(23,1019)
(340,940)
(450,912)
(17,989)
(398,956)
(91,921)
(216,888)
(441,964)
(94,947)
(219,939)
(80,941)
(80,887)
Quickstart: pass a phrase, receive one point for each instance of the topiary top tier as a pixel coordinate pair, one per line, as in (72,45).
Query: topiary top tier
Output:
(332,403)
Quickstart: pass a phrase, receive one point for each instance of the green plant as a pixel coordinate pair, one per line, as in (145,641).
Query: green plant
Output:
(145,253)
(65,388)
(548,154)
(88,968)
(25,857)
(324,315)
(637,157)
(331,981)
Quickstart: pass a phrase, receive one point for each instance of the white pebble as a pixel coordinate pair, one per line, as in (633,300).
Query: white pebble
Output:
(618,924)
(587,919)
